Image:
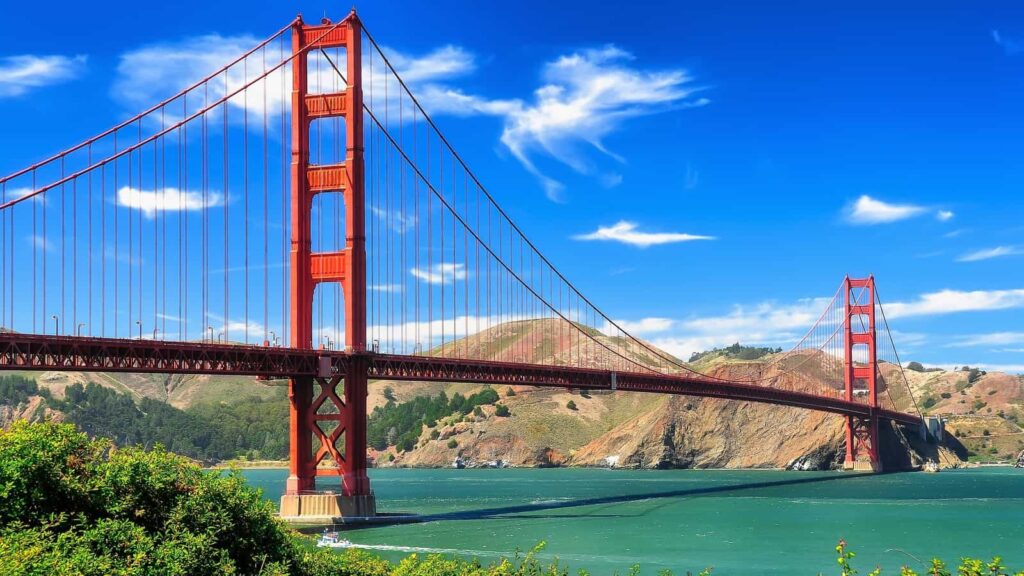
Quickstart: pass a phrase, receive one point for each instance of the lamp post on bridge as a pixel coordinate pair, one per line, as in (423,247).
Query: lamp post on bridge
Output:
(78,330)
(210,330)
(56,324)
(139,324)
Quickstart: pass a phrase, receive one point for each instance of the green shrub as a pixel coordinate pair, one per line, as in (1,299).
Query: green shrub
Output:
(509,392)
(453,443)
(501,410)
(570,405)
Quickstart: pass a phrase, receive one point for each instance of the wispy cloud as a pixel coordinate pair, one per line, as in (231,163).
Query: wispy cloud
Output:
(642,327)
(627,233)
(20,74)
(989,253)
(149,74)
(951,301)
(165,200)
(41,242)
(395,219)
(440,273)
(1010,45)
(991,339)
(765,324)
(584,97)
(867,210)
(783,324)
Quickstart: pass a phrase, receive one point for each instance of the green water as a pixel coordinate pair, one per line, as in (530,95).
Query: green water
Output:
(740,522)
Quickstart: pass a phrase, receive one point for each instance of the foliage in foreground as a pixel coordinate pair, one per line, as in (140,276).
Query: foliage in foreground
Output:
(968,566)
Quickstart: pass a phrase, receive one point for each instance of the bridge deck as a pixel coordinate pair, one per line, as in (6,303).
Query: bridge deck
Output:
(30,352)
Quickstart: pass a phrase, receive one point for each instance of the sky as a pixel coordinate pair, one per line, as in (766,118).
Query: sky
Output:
(704,172)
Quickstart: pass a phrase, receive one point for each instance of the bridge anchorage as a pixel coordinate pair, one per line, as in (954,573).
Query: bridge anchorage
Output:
(431,280)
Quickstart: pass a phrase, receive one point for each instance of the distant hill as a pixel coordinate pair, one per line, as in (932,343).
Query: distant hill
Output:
(554,427)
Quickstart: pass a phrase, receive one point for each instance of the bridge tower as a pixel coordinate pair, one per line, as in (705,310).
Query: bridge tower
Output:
(861,367)
(339,429)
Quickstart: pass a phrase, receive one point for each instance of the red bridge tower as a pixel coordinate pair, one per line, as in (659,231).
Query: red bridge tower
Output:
(861,367)
(345,415)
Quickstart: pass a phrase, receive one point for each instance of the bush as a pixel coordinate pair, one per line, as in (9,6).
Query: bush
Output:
(478,412)
(453,443)
(501,410)
(434,434)
(946,395)
(929,402)
(570,405)
(509,392)
(74,505)
(915,366)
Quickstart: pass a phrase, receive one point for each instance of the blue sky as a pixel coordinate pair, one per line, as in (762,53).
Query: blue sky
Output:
(701,171)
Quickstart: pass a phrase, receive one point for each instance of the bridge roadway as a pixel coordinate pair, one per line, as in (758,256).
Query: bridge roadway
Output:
(82,354)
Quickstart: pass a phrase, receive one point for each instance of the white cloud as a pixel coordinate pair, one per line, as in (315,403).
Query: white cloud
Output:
(989,253)
(627,233)
(41,242)
(585,96)
(991,339)
(764,324)
(950,301)
(868,210)
(152,73)
(165,200)
(440,273)
(1010,45)
(640,327)
(20,74)
(395,220)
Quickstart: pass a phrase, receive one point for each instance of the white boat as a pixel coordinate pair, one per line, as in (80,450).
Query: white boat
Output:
(331,540)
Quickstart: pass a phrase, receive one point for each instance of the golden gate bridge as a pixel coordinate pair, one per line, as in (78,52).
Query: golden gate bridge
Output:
(298,214)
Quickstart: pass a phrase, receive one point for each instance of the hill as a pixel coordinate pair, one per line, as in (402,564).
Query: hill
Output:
(527,426)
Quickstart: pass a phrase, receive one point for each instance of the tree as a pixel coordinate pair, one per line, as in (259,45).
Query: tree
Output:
(453,443)
(915,366)
(509,392)
(570,405)
(501,410)
(478,412)
(389,394)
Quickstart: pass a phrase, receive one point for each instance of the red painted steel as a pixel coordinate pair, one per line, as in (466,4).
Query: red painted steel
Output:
(347,267)
(27,352)
(861,430)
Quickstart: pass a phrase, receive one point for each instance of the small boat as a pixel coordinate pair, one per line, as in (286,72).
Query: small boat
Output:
(331,540)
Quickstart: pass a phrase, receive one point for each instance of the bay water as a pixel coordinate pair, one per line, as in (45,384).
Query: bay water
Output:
(738,521)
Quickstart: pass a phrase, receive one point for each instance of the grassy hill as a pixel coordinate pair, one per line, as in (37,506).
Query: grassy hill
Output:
(555,426)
